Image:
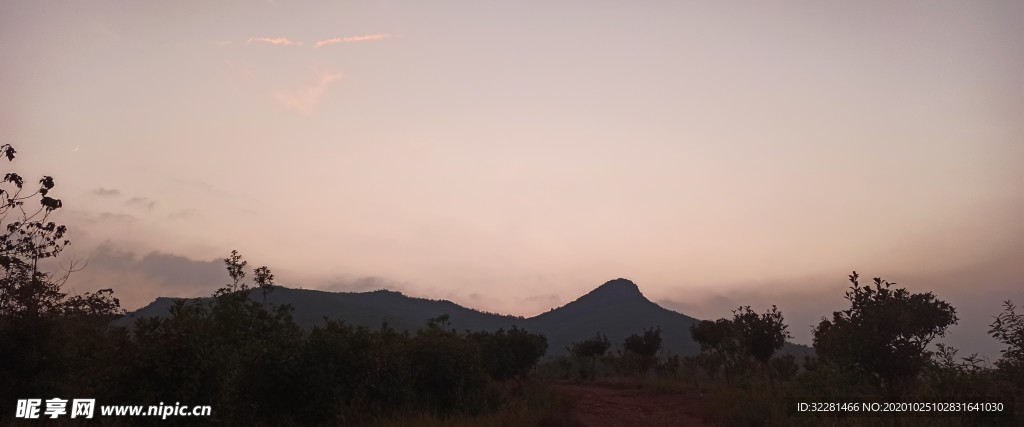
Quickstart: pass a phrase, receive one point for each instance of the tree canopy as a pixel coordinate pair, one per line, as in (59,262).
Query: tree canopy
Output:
(885,332)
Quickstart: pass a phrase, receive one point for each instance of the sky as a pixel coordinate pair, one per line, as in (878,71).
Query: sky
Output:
(511,156)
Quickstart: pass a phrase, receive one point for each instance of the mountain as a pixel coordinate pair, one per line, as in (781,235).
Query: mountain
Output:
(616,309)
(370,309)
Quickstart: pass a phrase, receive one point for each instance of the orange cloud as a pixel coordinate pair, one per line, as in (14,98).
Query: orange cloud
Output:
(305,99)
(353,39)
(279,41)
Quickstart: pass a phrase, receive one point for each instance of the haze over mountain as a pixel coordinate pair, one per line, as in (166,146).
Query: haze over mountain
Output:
(616,309)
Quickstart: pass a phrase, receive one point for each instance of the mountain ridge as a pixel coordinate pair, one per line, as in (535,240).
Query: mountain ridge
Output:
(615,309)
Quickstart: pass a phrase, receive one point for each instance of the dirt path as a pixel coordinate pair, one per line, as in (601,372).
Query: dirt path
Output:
(598,406)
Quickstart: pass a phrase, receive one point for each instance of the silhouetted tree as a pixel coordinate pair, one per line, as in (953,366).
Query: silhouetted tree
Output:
(719,339)
(884,333)
(28,237)
(590,350)
(730,343)
(759,335)
(645,346)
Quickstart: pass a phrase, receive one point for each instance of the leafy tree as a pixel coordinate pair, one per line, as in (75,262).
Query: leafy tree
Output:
(717,338)
(884,333)
(590,349)
(645,346)
(759,335)
(731,343)
(28,237)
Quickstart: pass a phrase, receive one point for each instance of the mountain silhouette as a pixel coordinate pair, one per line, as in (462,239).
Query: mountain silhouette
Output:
(616,309)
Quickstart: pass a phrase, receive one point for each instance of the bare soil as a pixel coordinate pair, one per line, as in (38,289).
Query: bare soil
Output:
(602,405)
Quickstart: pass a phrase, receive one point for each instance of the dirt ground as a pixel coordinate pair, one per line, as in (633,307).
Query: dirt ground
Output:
(600,405)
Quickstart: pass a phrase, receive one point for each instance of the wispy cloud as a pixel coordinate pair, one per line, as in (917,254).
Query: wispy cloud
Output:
(353,39)
(106,192)
(141,202)
(303,100)
(276,41)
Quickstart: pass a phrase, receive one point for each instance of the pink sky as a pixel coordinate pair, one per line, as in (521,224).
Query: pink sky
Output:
(512,157)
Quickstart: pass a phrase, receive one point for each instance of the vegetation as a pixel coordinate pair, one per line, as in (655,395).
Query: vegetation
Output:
(510,354)
(884,334)
(588,351)
(644,347)
(1008,328)
(253,364)
(733,343)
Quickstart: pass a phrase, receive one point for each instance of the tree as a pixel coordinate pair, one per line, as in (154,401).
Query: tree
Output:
(28,238)
(733,342)
(719,340)
(760,335)
(263,277)
(645,346)
(590,349)
(884,333)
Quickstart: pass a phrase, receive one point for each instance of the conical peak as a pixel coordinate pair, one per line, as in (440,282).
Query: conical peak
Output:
(620,283)
(618,289)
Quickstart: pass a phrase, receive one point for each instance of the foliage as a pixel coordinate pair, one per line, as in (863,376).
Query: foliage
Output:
(759,335)
(884,333)
(1008,329)
(590,350)
(645,347)
(509,354)
(28,237)
(731,343)
(719,346)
